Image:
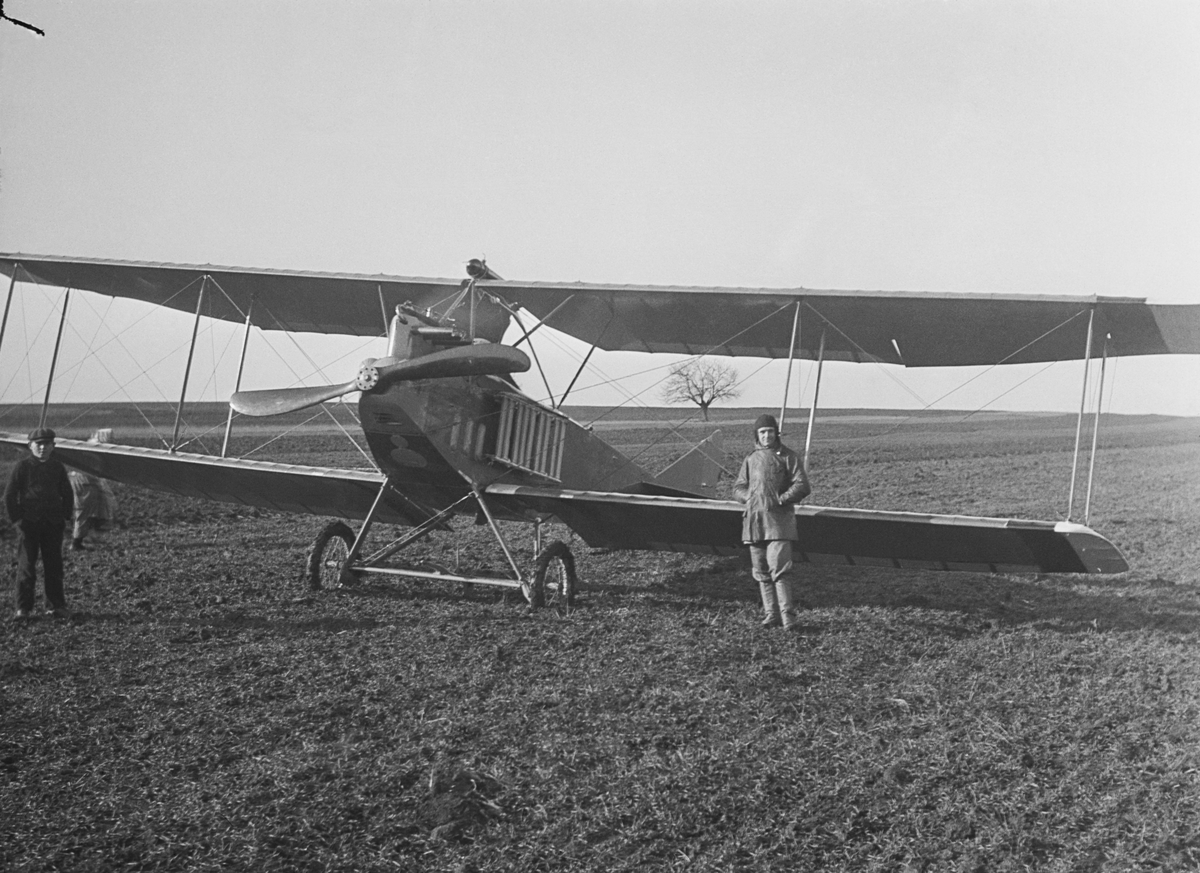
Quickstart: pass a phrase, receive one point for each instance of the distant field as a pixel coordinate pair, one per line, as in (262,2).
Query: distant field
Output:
(79,419)
(205,710)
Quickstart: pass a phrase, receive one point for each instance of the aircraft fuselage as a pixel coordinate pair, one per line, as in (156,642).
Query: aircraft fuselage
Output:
(438,439)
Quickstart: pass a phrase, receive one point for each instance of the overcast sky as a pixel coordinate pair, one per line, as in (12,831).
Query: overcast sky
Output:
(1033,147)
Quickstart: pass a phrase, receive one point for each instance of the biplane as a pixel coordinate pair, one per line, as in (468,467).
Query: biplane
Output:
(451,433)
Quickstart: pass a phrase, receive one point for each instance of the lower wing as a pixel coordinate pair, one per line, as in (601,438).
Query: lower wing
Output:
(907,540)
(862,537)
(285,487)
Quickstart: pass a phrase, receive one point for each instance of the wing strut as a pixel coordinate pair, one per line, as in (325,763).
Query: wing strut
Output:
(533,352)
(583,365)
(54,359)
(237,384)
(1087,365)
(528,333)
(12,284)
(787,382)
(812,410)
(575,378)
(187,370)
(1087,504)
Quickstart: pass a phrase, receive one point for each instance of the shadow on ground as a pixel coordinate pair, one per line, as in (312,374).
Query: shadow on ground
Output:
(1126,602)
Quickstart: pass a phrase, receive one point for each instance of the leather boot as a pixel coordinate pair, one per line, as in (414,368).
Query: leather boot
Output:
(770,608)
(787,603)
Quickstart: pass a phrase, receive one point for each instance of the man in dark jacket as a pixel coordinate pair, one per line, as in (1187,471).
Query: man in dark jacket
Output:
(771,481)
(39,501)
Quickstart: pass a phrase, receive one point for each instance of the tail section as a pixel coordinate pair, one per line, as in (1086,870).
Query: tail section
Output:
(696,473)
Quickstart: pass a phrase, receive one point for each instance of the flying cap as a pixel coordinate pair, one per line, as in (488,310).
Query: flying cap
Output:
(40,434)
(765,420)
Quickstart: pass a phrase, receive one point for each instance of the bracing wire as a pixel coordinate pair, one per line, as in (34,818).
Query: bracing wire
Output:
(32,392)
(673,428)
(614,382)
(92,350)
(867,356)
(844,457)
(295,427)
(317,369)
(659,367)
(78,370)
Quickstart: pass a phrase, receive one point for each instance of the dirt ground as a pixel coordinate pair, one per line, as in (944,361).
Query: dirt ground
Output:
(204,709)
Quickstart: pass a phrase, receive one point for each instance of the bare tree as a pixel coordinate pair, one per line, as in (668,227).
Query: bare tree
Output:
(703,382)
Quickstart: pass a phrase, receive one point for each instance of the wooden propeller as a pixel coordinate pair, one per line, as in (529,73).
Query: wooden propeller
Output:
(485,359)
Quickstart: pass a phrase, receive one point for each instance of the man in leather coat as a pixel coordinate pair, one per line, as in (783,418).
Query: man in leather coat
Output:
(771,481)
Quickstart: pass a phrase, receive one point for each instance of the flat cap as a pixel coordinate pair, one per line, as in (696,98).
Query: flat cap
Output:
(40,434)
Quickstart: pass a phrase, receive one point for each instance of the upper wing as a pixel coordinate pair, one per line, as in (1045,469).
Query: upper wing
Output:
(898,327)
(285,487)
(339,303)
(908,540)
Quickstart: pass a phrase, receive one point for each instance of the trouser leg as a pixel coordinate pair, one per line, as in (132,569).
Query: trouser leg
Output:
(761,570)
(80,531)
(27,555)
(52,565)
(779,559)
(770,607)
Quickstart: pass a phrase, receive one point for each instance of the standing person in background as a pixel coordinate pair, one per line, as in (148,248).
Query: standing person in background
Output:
(39,501)
(95,505)
(770,482)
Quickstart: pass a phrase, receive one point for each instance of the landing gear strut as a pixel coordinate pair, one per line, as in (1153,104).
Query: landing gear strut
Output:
(334,558)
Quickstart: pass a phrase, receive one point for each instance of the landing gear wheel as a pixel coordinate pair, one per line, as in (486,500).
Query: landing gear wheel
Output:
(327,558)
(554,580)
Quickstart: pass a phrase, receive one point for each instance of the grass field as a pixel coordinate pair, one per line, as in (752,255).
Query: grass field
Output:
(205,711)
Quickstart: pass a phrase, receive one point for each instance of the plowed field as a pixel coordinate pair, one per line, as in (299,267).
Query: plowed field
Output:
(205,710)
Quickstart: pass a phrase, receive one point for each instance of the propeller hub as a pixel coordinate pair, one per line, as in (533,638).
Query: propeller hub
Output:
(368,377)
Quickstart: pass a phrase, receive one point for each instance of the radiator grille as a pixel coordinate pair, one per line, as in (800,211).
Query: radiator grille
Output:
(530,437)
